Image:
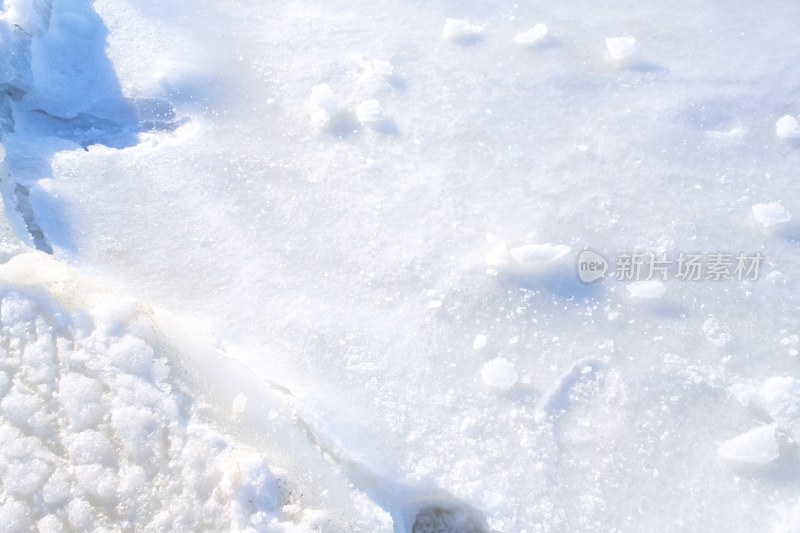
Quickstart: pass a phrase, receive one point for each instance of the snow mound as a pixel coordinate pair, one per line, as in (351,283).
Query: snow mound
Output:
(499,373)
(771,214)
(756,447)
(532,37)
(622,49)
(787,127)
(461,31)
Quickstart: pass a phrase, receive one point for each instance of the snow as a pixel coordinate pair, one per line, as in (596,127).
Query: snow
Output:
(239,404)
(771,214)
(370,114)
(538,256)
(788,127)
(532,37)
(499,373)
(92,383)
(498,256)
(780,398)
(324,106)
(622,48)
(646,289)
(757,447)
(479,342)
(271,238)
(461,31)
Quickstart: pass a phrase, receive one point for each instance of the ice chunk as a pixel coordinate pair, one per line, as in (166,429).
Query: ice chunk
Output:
(370,114)
(499,373)
(533,36)
(383,68)
(498,256)
(239,404)
(622,48)
(323,105)
(756,447)
(744,394)
(538,256)
(788,127)
(780,398)
(651,288)
(479,342)
(461,31)
(770,214)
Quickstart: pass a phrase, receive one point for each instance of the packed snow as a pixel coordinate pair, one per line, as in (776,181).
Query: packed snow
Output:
(313,266)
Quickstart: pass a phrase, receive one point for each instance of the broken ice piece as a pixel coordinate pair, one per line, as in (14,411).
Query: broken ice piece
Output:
(780,398)
(461,31)
(499,373)
(538,256)
(743,394)
(323,105)
(498,256)
(622,48)
(755,447)
(383,68)
(647,289)
(533,36)
(479,342)
(770,214)
(239,404)
(370,114)
(788,127)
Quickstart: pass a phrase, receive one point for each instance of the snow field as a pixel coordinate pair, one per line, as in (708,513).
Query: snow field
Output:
(348,266)
(97,433)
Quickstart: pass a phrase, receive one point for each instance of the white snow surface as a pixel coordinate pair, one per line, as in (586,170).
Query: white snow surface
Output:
(279,232)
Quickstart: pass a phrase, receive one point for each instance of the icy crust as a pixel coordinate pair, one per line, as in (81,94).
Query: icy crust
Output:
(9,244)
(95,434)
(65,70)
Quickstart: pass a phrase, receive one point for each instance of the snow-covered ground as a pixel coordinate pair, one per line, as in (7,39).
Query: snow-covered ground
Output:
(313,266)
